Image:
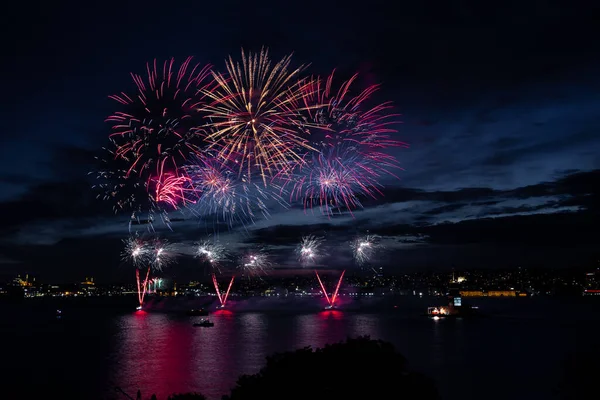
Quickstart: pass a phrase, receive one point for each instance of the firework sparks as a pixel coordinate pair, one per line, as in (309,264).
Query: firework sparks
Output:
(334,117)
(156,125)
(136,251)
(308,249)
(252,109)
(350,137)
(255,263)
(172,189)
(123,190)
(213,253)
(222,296)
(363,248)
(162,254)
(335,180)
(224,193)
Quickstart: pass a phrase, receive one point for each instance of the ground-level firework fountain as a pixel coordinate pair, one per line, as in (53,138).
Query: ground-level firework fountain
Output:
(222,298)
(330,300)
(141,287)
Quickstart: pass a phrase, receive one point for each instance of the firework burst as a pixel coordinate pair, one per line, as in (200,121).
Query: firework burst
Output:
(308,250)
(162,254)
(335,180)
(226,194)
(252,110)
(364,247)
(255,263)
(157,128)
(213,253)
(172,190)
(137,252)
(350,137)
(334,116)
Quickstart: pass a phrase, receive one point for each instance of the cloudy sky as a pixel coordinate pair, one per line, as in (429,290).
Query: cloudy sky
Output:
(500,108)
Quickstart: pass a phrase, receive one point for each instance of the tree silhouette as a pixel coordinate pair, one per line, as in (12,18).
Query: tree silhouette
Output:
(359,368)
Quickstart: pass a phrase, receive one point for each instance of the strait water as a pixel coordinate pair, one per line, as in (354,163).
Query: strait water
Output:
(518,351)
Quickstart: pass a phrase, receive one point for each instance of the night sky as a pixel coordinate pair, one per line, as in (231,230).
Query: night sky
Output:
(500,107)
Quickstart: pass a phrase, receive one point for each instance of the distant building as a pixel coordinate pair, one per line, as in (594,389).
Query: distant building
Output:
(492,293)
(591,286)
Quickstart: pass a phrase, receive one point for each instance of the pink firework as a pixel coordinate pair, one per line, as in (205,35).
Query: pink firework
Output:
(172,189)
(157,123)
(335,116)
(222,192)
(336,180)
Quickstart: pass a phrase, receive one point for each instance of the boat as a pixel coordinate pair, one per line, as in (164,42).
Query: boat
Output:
(454,309)
(197,312)
(204,323)
(330,307)
(451,311)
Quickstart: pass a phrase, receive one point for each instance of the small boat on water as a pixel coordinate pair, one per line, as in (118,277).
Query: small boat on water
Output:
(197,312)
(204,323)
(330,307)
(454,309)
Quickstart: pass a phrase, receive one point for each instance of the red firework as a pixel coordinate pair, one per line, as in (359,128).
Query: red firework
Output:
(222,298)
(172,189)
(157,123)
(330,300)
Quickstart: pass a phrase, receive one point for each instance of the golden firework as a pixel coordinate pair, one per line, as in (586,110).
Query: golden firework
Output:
(252,114)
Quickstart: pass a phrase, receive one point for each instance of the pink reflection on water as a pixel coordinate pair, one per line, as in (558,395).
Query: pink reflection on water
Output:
(153,356)
(213,351)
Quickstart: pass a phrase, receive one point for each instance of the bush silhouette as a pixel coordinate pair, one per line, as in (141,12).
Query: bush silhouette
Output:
(187,396)
(359,368)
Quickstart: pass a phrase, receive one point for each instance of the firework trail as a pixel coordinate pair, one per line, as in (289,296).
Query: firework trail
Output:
(212,253)
(330,300)
(252,111)
(228,196)
(222,297)
(364,247)
(308,249)
(140,255)
(156,128)
(154,284)
(254,264)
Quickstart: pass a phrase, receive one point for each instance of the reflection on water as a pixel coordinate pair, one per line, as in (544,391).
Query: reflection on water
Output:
(163,353)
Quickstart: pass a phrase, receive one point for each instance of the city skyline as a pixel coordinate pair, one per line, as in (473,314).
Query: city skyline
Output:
(502,166)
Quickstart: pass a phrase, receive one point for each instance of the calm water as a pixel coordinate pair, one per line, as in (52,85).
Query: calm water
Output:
(516,352)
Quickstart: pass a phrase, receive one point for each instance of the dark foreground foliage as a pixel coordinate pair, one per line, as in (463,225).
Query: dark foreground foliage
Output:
(359,368)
